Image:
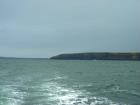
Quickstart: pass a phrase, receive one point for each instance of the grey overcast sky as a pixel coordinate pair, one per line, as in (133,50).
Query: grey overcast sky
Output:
(43,28)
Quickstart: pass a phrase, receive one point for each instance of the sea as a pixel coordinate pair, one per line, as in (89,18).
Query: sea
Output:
(69,82)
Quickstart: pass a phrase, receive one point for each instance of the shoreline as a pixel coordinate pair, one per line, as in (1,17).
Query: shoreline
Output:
(98,56)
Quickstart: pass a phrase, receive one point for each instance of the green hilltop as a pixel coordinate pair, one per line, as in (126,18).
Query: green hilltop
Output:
(98,56)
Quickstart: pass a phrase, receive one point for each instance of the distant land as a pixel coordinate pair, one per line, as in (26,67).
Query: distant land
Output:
(20,58)
(8,58)
(98,56)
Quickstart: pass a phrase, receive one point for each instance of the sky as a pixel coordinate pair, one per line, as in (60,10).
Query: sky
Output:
(44,28)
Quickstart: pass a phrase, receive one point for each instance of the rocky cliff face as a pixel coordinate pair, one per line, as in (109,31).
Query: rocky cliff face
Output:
(98,56)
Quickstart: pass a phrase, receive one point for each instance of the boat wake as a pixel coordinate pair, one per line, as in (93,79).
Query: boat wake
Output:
(61,94)
(50,92)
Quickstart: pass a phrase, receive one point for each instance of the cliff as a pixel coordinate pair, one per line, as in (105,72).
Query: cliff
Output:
(98,56)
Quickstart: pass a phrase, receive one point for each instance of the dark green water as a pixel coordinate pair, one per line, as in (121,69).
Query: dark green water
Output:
(54,82)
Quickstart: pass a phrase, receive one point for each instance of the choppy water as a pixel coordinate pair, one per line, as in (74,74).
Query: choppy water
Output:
(54,82)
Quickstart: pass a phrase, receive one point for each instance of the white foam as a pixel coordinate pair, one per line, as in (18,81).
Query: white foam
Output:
(63,95)
(55,93)
(13,96)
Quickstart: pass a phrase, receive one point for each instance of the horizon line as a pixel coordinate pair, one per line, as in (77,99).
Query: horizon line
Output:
(59,54)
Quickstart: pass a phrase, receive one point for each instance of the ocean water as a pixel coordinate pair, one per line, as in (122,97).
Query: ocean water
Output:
(67,82)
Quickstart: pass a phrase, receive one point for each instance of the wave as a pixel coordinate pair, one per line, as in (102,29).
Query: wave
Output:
(110,88)
(61,94)
(116,88)
(11,96)
(51,92)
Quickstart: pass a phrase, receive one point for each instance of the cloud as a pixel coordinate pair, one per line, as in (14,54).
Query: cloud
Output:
(52,26)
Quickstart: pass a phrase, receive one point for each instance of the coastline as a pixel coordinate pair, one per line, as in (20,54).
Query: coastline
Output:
(98,56)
